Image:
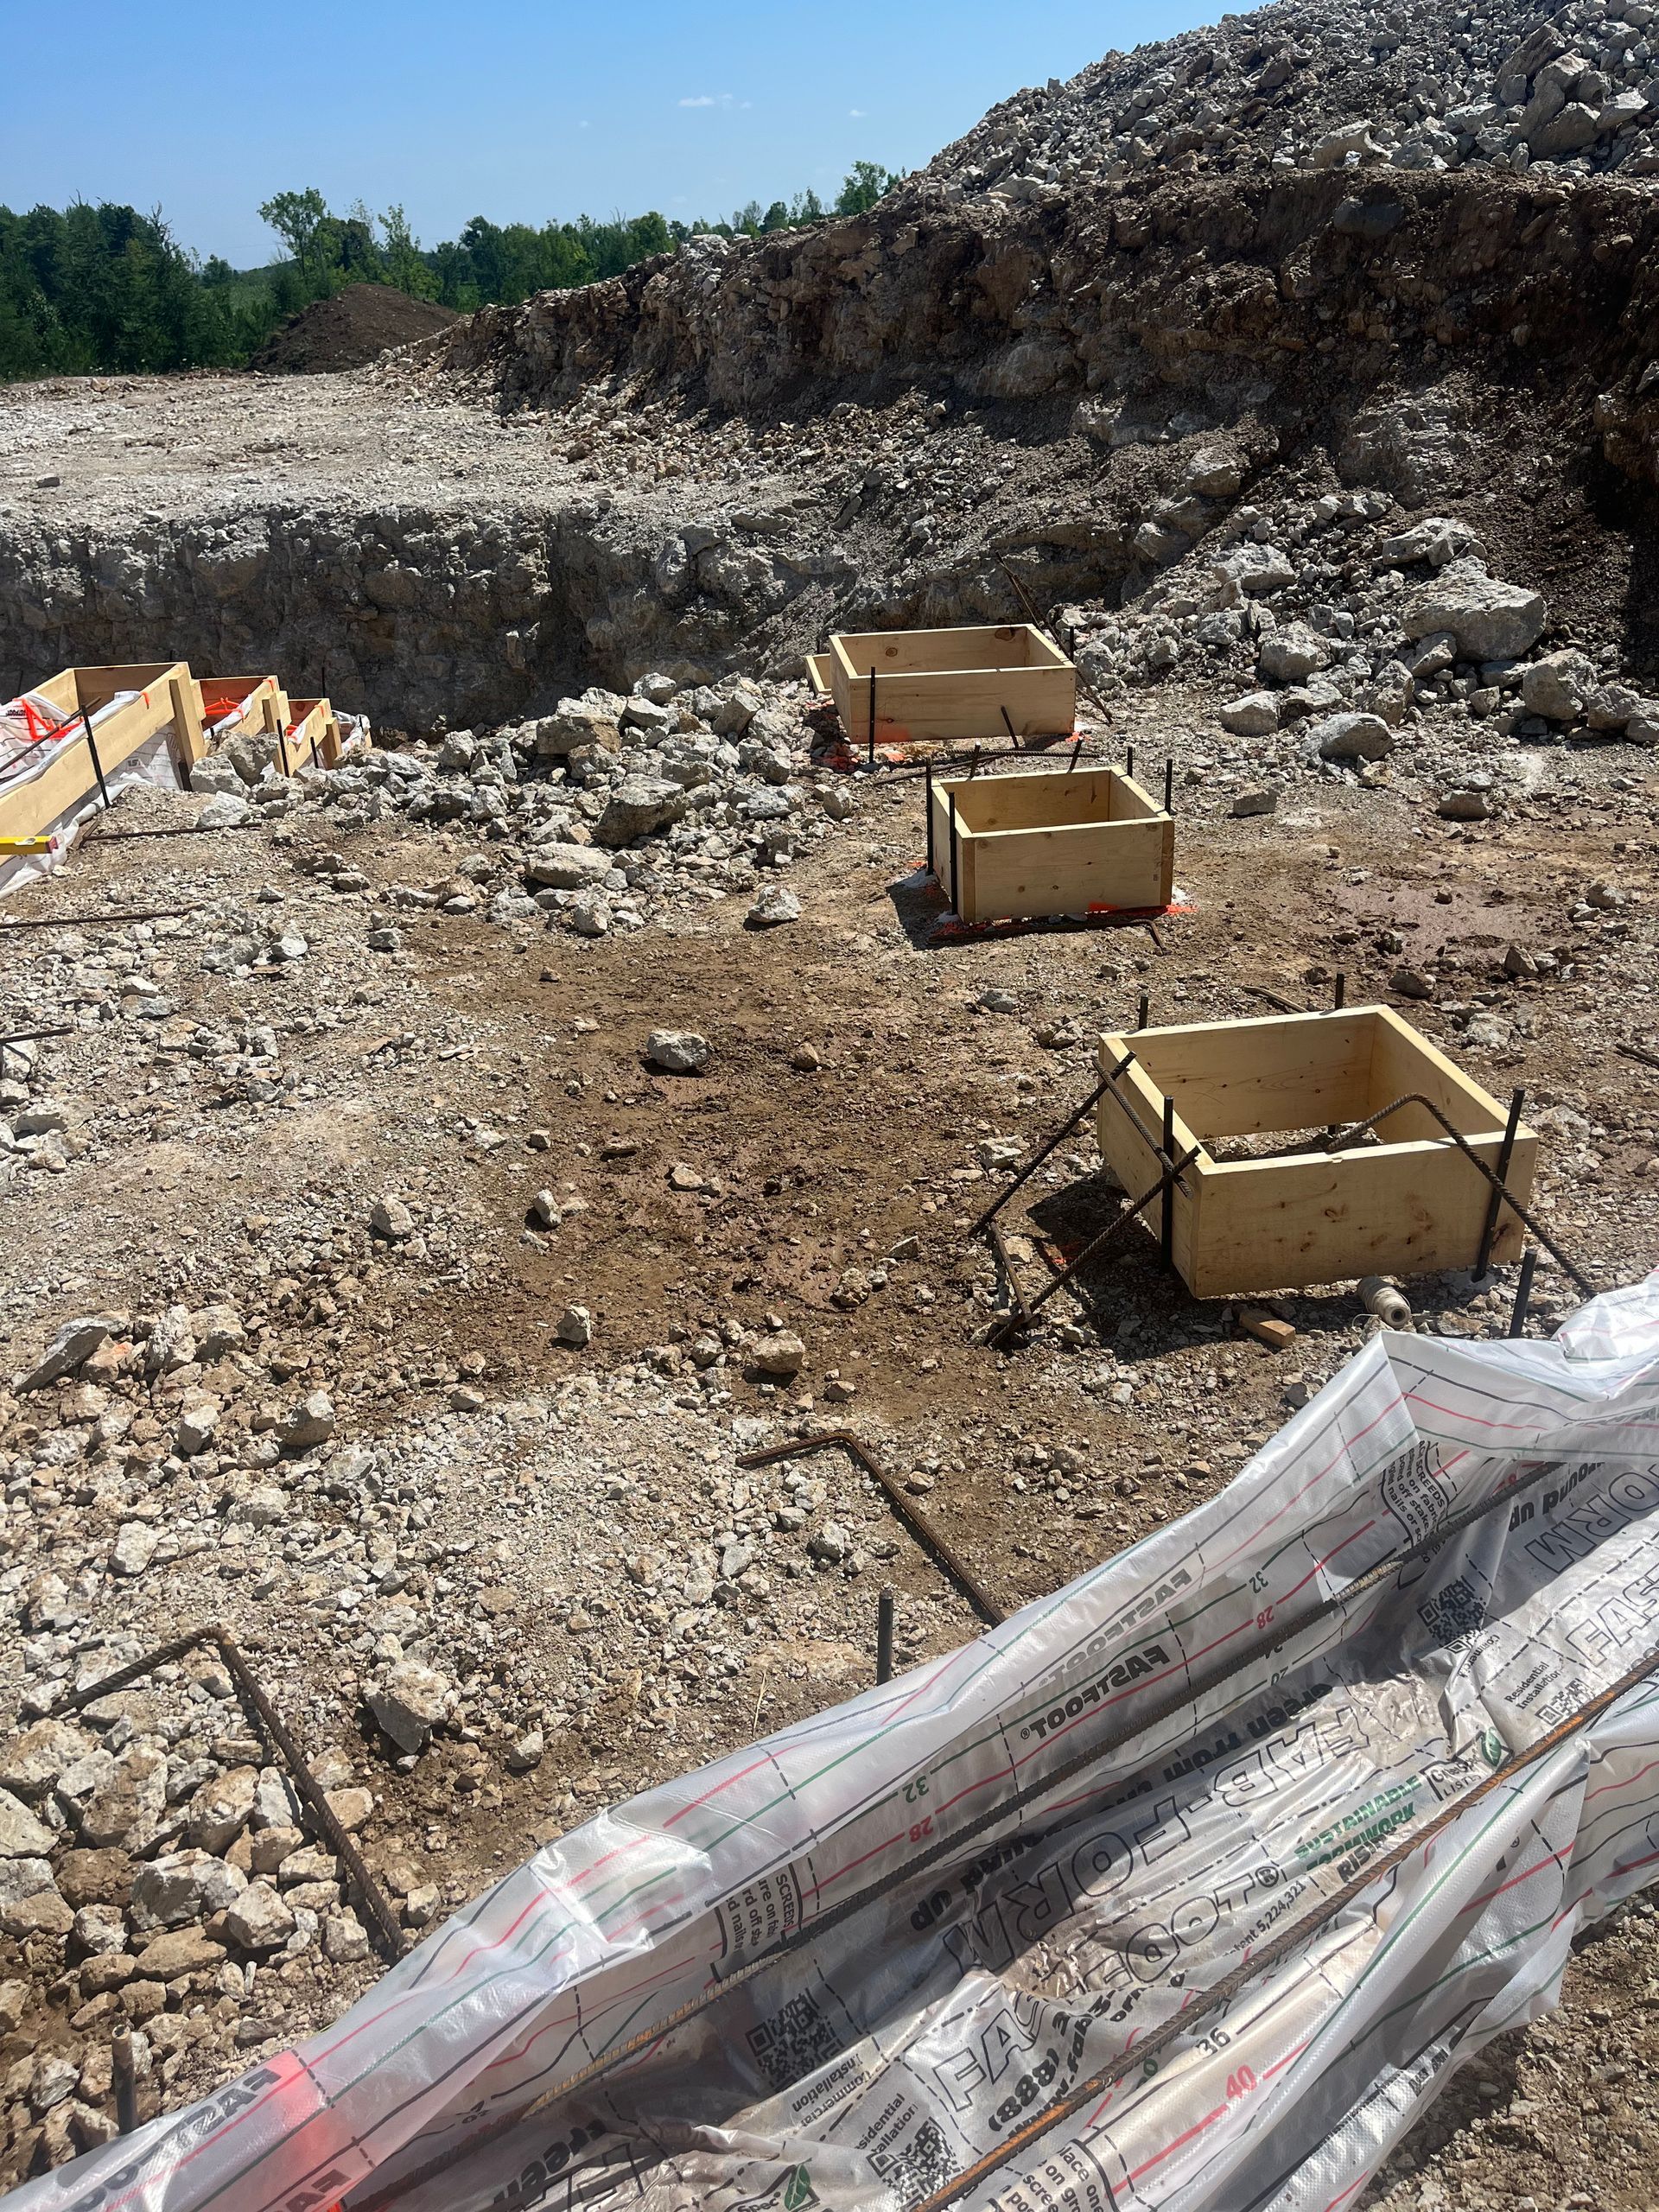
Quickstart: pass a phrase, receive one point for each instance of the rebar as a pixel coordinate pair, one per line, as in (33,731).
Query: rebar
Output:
(97,765)
(388,1937)
(1038,623)
(123,2066)
(1494,1206)
(1058,1138)
(884,1636)
(101,921)
(1092,1250)
(1344,1138)
(1522,1304)
(943,1553)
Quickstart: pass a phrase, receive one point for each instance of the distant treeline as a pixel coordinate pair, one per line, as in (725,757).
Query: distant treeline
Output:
(88,289)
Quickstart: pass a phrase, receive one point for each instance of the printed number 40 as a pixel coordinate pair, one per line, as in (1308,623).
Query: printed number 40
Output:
(1240,2084)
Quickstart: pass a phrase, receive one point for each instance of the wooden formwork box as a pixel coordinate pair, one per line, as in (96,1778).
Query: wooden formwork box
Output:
(1049,842)
(311,735)
(166,698)
(947,683)
(1412,1203)
(234,706)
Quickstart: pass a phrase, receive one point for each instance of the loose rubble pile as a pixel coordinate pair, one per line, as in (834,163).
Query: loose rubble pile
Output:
(1422,89)
(1369,635)
(597,813)
(145,1840)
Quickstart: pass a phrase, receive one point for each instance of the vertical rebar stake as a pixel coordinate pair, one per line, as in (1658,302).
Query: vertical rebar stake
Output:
(928,772)
(1169,786)
(1144,1015)
(1524,1292)
(884,1636)
(1128,759)
(125,2069)
(1339,993)
(1167,1226)
(1494,1207)
(97,765)
(872,752)
(955,858)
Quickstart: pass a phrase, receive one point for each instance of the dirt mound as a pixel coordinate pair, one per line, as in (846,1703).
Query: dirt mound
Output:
(353,328)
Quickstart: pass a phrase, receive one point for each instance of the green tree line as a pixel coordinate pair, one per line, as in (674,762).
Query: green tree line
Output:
(102,289)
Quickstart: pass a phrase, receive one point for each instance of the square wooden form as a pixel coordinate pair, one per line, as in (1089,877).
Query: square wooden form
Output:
(1049,842)
(1411,1204)
(947,683)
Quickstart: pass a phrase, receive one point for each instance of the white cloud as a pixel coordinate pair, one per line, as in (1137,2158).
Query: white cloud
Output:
(855,112)
(700,99)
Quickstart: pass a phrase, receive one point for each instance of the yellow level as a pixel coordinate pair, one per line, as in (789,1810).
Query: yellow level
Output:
(28,844)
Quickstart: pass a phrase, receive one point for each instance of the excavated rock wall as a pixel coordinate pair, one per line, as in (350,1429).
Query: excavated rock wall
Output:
(1290,310)
(1200,283)
(408,612)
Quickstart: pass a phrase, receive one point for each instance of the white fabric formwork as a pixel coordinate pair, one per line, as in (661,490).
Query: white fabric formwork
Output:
(155,763)
(881,2053)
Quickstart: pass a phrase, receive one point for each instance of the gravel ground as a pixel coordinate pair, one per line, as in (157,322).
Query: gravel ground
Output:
(425,1316)
(551,1555)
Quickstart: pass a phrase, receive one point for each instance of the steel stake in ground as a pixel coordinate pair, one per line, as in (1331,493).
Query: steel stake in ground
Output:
(884,1636)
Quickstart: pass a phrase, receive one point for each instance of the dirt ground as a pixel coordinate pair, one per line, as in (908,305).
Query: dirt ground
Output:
(540,1486)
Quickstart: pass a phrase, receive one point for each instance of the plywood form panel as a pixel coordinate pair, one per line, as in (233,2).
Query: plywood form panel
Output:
(951,683)
(1027,872)
(252,694)
(983,646)
(1242,1078)
(1045,799)
(34,807)
(1052,842)
(1408,1209)
(308,720)
(1402,1061)
(1040,702)
(1129,802)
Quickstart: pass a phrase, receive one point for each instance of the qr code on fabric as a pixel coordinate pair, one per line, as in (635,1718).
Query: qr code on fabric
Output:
(795,2039)
(924,2164)
(1455,1613)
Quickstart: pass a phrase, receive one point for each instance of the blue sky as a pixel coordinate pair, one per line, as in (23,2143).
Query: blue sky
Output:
(507,109)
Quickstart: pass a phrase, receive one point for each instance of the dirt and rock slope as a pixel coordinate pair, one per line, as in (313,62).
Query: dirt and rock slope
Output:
(348,330)
(427,1307)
